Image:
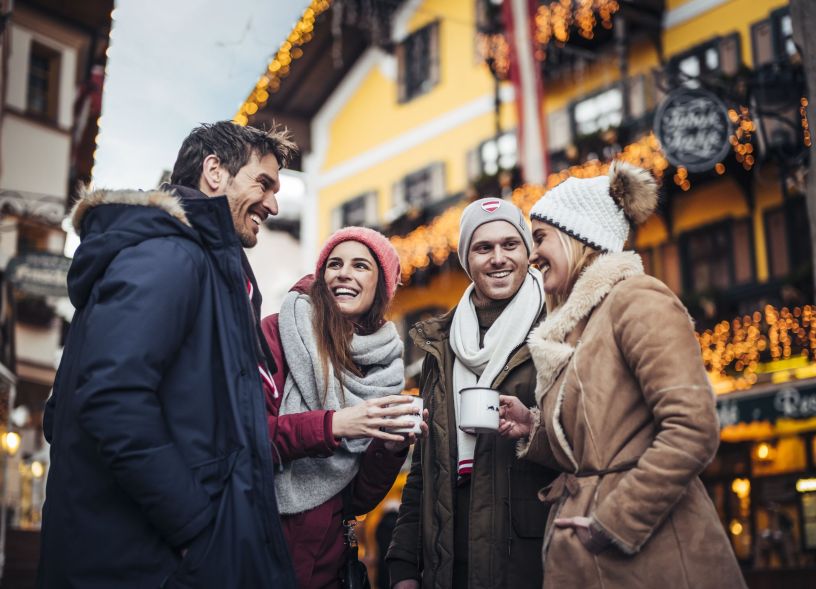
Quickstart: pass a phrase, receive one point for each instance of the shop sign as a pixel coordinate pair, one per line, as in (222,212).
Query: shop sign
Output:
(693,129)
(786,403)
(40,274)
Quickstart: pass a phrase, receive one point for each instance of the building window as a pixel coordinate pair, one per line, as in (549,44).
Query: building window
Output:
(718,256)
(772,38)
(360,211)
(418,58)
(787,237)
(419,189)
(498,153)
(713,58)
(43,81)
(598,113)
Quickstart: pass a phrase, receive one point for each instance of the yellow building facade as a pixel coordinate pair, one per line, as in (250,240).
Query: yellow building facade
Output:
(408,129)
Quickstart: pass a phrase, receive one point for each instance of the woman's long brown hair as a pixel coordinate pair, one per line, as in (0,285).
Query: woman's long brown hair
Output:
(333,331)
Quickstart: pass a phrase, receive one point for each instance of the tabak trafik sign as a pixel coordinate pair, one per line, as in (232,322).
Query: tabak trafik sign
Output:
(41,274)
(693,128)
(789,402)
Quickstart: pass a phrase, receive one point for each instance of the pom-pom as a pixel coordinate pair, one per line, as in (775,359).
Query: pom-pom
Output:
(634,189)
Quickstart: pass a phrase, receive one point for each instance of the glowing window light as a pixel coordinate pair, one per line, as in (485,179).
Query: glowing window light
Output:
(806,485)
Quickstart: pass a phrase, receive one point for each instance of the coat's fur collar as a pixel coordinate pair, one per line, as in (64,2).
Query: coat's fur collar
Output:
(153,198)
(546,342)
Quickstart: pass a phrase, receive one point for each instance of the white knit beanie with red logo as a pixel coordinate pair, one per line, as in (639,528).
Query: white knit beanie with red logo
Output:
(487,210)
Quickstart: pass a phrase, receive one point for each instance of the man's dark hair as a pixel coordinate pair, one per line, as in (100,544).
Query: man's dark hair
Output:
(233,145)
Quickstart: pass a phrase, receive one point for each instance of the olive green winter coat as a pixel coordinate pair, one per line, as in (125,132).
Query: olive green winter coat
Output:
(506,521)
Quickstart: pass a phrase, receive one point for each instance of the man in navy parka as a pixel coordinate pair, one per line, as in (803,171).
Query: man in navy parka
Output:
(161,468)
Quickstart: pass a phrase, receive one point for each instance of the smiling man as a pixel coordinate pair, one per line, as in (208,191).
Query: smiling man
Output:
(469,516)
(161,468)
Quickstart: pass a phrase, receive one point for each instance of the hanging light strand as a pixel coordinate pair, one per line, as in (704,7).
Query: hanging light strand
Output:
(278,66)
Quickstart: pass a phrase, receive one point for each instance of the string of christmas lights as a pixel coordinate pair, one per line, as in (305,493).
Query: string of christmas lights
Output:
(734,351)
(434,242)
(278,67)
(557,19)
(740,140)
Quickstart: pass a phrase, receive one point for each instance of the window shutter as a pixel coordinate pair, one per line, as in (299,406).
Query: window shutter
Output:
(437,173)
(433,55)
(743,267)
(398,195)
(730,55)
(336,218)
(473,164)
(671,267)
(559,131)
(637,96)
(372,219)
(762,41)
(401,75)
(776,243)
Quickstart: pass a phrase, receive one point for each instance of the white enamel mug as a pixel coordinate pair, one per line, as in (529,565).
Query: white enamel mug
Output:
(416,419)
(479,410)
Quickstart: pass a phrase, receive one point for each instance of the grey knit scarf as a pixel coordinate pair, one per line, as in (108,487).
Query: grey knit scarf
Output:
(308,482)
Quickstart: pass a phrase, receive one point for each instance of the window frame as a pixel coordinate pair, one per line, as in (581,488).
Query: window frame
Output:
(728,226)
(368,199)
(408,89)
(593,96)
(52,90)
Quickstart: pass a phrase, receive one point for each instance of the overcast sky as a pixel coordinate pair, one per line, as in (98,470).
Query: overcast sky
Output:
(176,63)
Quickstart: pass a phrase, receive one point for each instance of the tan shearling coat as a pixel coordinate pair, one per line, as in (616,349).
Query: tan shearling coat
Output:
(621,388)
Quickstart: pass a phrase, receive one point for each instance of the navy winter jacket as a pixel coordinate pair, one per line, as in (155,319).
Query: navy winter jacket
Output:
(157,422)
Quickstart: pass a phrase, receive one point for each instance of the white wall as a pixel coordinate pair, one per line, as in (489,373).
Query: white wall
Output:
(276,262)
(21,39)
(35,158)
(37,345)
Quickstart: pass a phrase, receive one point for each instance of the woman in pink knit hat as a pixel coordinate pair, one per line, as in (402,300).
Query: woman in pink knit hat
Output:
(336,392)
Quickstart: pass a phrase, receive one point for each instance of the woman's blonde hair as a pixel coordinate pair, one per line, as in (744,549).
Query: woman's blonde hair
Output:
(579,256)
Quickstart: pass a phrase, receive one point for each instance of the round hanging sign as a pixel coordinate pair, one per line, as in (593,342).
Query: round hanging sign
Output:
(693,128)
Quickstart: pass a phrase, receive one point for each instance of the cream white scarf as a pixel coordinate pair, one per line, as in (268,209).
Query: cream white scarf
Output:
(479,366)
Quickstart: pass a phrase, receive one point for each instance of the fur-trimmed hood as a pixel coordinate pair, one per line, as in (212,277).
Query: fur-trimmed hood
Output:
(160,199)
(547,341)
(109,221)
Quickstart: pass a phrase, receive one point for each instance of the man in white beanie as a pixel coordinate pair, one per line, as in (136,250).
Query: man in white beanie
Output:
(469,517)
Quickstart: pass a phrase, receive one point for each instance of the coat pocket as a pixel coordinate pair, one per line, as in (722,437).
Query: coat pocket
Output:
(213,474)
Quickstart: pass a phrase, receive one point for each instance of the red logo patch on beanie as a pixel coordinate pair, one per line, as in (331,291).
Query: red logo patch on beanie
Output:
(491,206)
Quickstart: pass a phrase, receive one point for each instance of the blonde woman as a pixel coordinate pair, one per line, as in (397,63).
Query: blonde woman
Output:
(624,407)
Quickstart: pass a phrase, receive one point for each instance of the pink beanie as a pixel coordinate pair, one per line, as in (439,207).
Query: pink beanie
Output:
(378,243)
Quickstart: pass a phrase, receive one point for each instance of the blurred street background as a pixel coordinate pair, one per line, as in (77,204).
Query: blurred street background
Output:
(405,111)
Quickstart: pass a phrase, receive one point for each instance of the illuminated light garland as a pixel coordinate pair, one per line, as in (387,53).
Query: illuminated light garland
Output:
(740,140)
(734,351)
(556,19)
(278,66)
(436,241)
(496,48)
(643,153)
(803,104)
(681,179)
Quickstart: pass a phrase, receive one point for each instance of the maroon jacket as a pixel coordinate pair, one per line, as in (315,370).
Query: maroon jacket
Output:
(315,537)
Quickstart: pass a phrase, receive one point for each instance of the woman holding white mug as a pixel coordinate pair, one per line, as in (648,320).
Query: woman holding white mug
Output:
(625,410)
(343,370)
